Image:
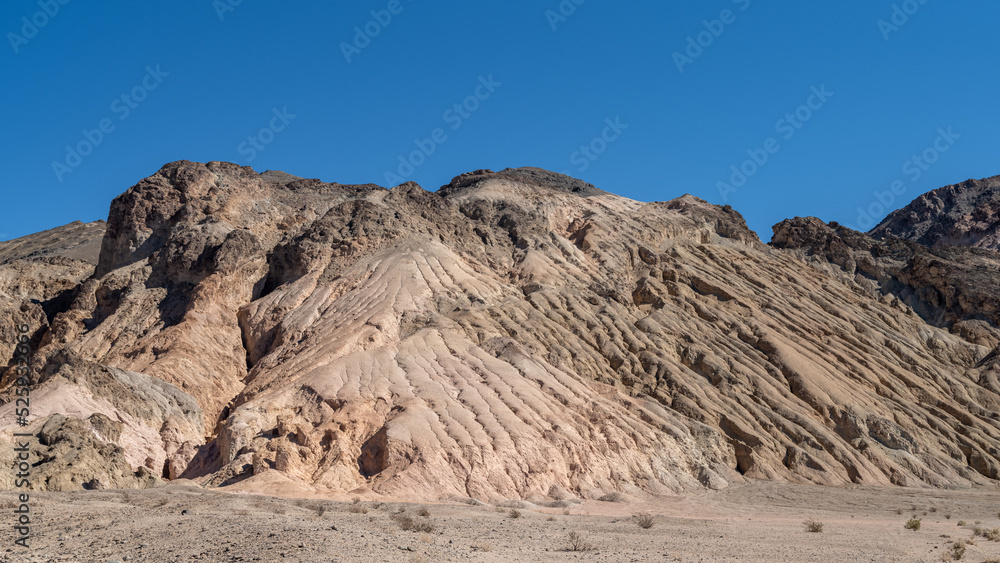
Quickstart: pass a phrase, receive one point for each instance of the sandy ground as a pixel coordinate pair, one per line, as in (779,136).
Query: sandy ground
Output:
(758,522)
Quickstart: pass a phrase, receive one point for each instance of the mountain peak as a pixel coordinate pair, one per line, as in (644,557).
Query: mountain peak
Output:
(964,214)
(536,177)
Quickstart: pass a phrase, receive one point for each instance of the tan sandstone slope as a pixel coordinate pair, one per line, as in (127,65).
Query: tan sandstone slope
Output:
(516,334)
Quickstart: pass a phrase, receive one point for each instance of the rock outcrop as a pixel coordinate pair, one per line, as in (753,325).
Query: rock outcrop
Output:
(516,334)
(966,214)
(75,241)
(948,286)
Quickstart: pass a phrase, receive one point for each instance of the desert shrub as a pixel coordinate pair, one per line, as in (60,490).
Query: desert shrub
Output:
(514,513)
(358,509)
(947,516)
(578,543)
(992,534)
(955,552)
(813,526)
(411,524)
(899,511)
(424,526)
(613,497)
(424,512)
(645,521)
(933,509)
(912,524)
(556,503)
(318,507)
(961,523)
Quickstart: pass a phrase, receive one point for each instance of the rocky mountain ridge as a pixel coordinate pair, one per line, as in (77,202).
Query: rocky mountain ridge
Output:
(516,334)
(966,214)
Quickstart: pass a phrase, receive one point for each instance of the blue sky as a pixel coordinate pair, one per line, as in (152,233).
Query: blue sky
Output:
(780,109)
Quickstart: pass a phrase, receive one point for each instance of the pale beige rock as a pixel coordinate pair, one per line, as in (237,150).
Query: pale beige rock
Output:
(147,423)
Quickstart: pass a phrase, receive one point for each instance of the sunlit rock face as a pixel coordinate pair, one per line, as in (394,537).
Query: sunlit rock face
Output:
(515,334)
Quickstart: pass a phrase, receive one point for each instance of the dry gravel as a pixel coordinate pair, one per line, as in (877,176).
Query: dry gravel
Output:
(758,522)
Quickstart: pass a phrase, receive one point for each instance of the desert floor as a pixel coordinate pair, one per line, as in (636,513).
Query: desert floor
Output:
(758,522)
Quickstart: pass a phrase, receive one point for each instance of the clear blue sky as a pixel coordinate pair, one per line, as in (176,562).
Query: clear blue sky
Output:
(547,83)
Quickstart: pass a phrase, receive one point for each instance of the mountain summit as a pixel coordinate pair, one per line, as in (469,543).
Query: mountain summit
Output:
(966,214)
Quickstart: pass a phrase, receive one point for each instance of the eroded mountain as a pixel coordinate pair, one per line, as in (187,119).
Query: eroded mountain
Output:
(515,334)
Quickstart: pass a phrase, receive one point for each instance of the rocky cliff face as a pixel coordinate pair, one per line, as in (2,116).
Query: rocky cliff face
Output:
(516,334)
(966,214)
(950,287)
